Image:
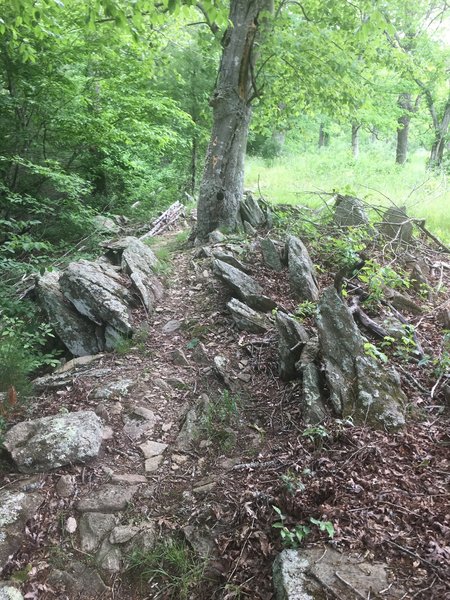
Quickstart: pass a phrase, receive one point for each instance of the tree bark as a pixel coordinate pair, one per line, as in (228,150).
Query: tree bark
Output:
(222,184)
(440,129)
(404,102)
(324,136)
(355,139)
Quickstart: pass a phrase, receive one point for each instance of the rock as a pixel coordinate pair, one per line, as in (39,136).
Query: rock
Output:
(139,423)
(61,380)
(249,229)
(137,256)
(152,464)
(251,211)
(16,508)
(443,316)
(9,592)
(94,526)
(98,293)
(80,335)
(200,355)
(128,478)
(77,579)
(292,337)
(65,486)
(163,385)
(149,288)
(358,387)
(192,425)
(271,255)
(246,288)
(396,225)
(144,540)
(446,391)
(107,498)
(309,574)
(302,275)
(230,259)
(144,412)
(314,411)
(246,318)
(123,534)
(105,224)
(200,541)
(310,353)
(402,302)
(151,448)
(171,326)
(349,212)
(78,362)
(179,358)
(114,389)
(109,557)
(52,442)
(216,237)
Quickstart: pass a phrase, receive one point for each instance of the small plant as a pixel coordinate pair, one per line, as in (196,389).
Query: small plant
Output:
(219,418)
(372,351)
(316,434)
(292,482)
(404,347)
(293,537)
(378,277)
(306,309)
(123,345)
(172,564)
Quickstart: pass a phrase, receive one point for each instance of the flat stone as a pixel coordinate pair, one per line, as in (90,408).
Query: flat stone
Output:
(129,478)
(171,326)
(179,358)
(216,237)
(246,318)
(150,448)
(163,385)
(51,442)
(251,211)
(93,528)
(152,464)
(244,286)
(75,579)
(107,498)
(271,255)
(109,557)
(9,592)
(144,412)
(65,486)
(229,258)
(302,274)
(139,424)
(114,389)
(123,534)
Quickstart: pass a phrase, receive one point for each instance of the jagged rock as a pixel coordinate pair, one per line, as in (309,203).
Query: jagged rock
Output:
(249,229)
(54,441)
(191,429)
(109,557)
(98,293)
(137,256)
(396,225)
(105,224)
(302,275)
(229,258)
(16,507)
(349,212)
(8,592)
(313,400)
(80,335)
(246,288)
(291,339)
(171,326)
(151,448)
(65,486)
(60,380)
(107,498)
(251,211)
(309,354)
(94,526)
(358,386)
(310,574)
(271,255)
(141,421)
(76,579)
(123,534)
(246,318)
(443,316)
(402,302)
(216,237)
(114,389)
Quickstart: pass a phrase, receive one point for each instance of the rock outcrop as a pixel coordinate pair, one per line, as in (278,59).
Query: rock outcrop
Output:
(292,337)
(302,275)
(246,318)
(396,225)
(349,212)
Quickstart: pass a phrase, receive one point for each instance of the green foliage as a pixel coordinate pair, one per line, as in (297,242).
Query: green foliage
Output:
(293,537)
(372,351)
(221,416)
(172,564)
(306,309)
(379,277)
(343,250)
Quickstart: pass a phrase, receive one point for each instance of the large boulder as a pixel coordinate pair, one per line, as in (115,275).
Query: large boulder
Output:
(358,386)
(244,286)
(80,335)
(396,225)
(349,212)
(292,337)
(251,212)
(139,262)
(52,442)
(246,318)
(98,292)
(271,254)
(302,275)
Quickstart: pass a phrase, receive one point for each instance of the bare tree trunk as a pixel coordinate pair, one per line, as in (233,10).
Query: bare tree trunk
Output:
(324,136)
(222,185)
(355,139)
(441,129)
(404,102)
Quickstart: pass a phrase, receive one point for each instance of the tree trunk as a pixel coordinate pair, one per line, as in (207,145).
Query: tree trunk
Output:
(404,102)
(441,129)
(355,139)
(222,184)
(324,136)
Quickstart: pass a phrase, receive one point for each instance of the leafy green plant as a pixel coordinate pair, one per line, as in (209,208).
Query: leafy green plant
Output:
(306,309)
(172,564)
(293,537)
(372,351)
(405,346)
(220,417)
(379,277)
(316,434)
(292,482)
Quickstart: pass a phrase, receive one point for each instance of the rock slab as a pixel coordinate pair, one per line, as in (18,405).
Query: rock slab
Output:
(244,286)
(302,275)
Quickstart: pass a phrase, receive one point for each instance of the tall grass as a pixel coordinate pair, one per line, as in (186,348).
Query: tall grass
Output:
(374,177)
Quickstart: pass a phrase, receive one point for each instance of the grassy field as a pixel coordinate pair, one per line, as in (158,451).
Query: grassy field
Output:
(374,177)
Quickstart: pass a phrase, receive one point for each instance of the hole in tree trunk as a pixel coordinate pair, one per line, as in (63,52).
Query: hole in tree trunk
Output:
(220,196)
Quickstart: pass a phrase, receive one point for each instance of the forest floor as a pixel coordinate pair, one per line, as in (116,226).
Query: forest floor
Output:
(385,494)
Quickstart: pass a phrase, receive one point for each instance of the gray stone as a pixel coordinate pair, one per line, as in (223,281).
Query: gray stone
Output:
(76,579)
(179,358)
(200,355)
(200,541)
(310,353)
(144,540)
(191,429)
(128,478)
(246,288)
(251,211)
(94,526)
(65,486)
(402,302)
(271,255)
(152,464)
(105,224)
(246,318)
(77,363)
(98,293)
(137,256)
(314,410)
(396,225)
(349,212)
(216,237)
(52,442)
(80,335)
(16,507)
(149,288)
(302,275)
(139,423)
(151,448)
(114,389)
(107,498)
(249,229)
(8,592)
(229,258)
(358,387)
(109,557)
(292,337)
(123,534)
(171,326)
(290,578)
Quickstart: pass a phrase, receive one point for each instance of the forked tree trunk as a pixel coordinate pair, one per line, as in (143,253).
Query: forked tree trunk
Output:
(222,185)
(404,102)
(324,136)
(355,139)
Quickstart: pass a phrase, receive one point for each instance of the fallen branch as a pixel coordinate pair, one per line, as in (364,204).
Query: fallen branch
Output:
(163,222)
(365,320)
